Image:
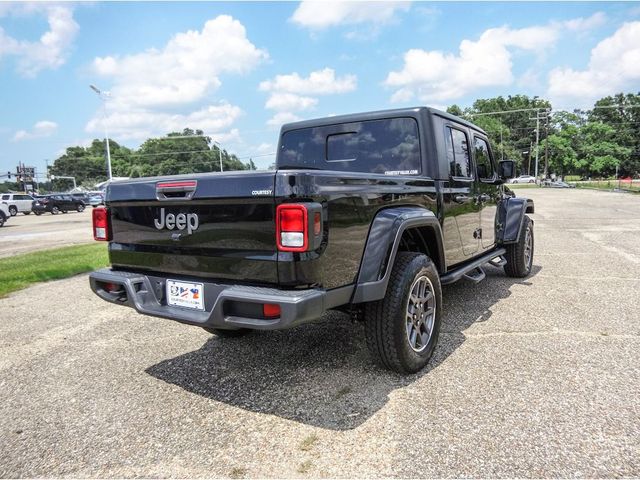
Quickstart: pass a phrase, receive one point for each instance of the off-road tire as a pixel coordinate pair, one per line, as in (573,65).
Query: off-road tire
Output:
(13,211)
(385,320)
(220,332)
(517,264)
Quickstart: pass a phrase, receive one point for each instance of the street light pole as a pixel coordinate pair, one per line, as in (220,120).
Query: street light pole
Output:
(103,96)
(219,153)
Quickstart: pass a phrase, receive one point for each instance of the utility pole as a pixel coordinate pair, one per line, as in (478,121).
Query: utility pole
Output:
(537,139)
(546,146)
(537,119)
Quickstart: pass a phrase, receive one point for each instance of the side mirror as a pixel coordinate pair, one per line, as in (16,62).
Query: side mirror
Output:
(507,169)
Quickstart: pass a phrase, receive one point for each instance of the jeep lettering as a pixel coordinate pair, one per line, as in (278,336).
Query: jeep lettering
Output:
(180,221)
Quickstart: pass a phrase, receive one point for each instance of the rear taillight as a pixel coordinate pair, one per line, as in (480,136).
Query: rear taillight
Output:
(298,226)
(101,224)
(292,227)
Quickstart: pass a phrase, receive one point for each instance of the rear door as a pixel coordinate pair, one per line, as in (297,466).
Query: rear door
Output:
(463,192)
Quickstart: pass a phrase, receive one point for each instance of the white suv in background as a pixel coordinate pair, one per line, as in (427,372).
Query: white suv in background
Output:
(17,202)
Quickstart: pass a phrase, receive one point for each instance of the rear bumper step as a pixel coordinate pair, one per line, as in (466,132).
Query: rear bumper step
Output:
(146,294)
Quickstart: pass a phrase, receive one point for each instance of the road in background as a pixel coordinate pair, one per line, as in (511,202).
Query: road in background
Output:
(537,377)
(29,233)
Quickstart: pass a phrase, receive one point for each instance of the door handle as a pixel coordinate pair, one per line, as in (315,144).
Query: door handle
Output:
(462,199)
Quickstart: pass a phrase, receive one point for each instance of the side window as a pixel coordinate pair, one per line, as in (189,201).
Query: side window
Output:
(458,153)
(484,165)
(6,197)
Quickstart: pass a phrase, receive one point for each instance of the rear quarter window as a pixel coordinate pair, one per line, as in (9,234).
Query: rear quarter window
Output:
(386,146)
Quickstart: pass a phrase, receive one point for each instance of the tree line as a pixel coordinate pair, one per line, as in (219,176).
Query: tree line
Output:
(589,143)
(189,151)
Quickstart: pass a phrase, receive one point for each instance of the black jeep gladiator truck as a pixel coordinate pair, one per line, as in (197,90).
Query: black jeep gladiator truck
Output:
(367,213)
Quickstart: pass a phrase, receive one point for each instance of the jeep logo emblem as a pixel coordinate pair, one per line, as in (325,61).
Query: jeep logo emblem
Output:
(180,221)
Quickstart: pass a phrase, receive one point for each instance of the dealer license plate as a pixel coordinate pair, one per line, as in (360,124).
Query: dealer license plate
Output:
(185,294)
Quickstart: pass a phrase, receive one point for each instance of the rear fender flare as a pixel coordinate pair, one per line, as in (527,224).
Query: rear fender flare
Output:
(511,215)
(382,246)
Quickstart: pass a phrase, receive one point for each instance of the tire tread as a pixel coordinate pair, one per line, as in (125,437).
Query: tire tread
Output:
(379,329)
(515,252)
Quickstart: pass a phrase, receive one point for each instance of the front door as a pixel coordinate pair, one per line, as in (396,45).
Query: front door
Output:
(488,191)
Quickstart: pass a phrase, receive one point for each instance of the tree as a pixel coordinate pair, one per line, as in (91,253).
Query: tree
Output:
(622,113)
(89,164)
(189,151)
(600,149)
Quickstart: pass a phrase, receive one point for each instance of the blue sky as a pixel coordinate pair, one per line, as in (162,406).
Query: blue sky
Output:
(239,70)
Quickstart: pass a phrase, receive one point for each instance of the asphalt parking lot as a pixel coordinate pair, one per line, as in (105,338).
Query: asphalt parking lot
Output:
(532,378)
(28,233)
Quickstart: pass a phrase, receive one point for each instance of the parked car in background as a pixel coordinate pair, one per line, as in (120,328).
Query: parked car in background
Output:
(524,179)
(560,184)
(17,202)
(55,204)
(80,196)
(4,214)
(95,200)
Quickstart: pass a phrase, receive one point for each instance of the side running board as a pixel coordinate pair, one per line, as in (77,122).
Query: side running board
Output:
(476,275)
(472,270)
(499,261)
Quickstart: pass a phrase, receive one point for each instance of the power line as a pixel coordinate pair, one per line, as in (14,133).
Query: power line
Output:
(507,111)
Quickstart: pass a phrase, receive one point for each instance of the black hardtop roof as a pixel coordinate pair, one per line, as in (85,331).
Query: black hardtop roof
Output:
(376,115)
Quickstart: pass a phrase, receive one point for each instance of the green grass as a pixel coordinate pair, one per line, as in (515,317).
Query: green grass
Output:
(610,185)
(21,271)
(522,185)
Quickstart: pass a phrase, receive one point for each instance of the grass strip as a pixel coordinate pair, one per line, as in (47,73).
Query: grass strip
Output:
(21,271)
(610,185)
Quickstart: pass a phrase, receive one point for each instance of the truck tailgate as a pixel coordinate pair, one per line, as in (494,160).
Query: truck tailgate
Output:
(218,226)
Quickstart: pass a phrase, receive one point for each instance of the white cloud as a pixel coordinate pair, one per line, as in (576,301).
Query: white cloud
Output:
(293,93)
(141,124)
(150,86)
(437,76)
(320,82)
(290,101)
(581,24)
(281,118)
(614,66)
(52,49)
(317,15)
(43,128)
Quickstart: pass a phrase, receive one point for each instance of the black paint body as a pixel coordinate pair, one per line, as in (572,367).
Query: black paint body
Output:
(364,216)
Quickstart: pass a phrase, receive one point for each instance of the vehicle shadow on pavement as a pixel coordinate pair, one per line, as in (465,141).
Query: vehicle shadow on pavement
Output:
(321,374)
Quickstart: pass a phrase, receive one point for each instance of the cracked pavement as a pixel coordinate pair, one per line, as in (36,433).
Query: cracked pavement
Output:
(538,377)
